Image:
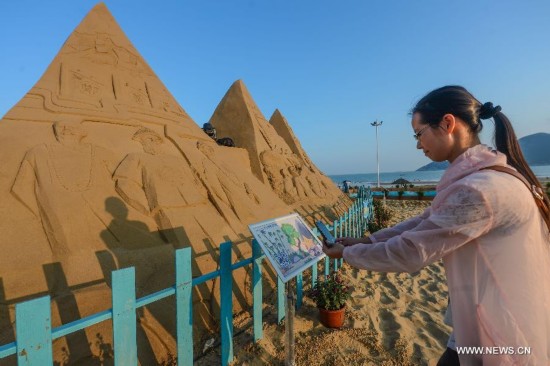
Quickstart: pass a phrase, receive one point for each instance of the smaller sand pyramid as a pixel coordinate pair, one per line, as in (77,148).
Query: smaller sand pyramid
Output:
(276,156)
(317,179)
(280,123)
(238,117)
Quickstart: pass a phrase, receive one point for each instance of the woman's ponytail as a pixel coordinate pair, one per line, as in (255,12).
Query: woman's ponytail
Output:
(507,143)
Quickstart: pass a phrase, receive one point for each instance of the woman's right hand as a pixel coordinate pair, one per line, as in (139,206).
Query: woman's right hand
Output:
(348,241)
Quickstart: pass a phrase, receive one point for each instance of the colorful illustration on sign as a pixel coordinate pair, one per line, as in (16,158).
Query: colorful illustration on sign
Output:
(288,243)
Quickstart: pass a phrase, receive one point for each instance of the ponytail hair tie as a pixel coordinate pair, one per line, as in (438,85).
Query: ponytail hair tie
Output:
(487,110)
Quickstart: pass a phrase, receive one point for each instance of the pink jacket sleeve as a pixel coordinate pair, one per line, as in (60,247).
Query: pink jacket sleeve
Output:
(385,234)
(460,217)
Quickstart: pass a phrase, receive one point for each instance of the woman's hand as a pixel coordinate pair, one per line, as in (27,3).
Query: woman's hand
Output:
(348,242)
(336,250)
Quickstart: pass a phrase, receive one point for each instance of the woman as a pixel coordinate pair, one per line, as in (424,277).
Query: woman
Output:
(486,226)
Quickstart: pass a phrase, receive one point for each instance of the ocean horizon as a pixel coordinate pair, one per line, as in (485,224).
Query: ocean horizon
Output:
(415,177)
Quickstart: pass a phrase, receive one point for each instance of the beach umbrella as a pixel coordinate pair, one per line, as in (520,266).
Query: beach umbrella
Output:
(400,181)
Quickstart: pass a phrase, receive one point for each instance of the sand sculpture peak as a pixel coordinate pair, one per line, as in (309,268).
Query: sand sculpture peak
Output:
(98,73)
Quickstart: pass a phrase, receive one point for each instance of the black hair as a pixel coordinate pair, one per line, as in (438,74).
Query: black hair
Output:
(458,101)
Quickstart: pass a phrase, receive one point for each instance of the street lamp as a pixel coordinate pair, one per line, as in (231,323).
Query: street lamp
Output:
(376,124)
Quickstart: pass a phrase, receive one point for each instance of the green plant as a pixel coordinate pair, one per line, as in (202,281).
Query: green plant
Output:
(420,194)
(331,293)
(381,217)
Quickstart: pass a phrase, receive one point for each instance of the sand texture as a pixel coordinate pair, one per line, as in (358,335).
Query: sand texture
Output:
(103,169)
(392,319)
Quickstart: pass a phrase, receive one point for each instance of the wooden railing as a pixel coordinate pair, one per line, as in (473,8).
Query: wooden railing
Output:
(34,333)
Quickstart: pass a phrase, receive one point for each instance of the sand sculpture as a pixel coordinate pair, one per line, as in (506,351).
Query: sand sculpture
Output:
(276,156)
(103,169)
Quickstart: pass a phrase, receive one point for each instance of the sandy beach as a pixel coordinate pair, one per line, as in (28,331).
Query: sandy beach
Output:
(392,319)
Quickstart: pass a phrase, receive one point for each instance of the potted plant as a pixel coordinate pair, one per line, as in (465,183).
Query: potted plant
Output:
(381,218)
(330,296)
(400,194)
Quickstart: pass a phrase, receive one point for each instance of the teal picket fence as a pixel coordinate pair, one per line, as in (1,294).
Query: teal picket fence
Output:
(34,333)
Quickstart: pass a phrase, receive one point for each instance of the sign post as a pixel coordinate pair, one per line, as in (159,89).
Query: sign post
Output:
(290,246)
(289,328)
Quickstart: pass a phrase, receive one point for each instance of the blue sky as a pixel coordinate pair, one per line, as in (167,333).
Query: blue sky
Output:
(331,67)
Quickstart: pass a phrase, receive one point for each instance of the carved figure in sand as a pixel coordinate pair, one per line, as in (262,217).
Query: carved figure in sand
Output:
(271,163)
(64,182)
(228,191)
(290,193)
(164,187)
(299,182)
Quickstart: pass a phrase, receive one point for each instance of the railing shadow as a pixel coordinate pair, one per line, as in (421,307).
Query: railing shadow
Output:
(7,328)
(67,308)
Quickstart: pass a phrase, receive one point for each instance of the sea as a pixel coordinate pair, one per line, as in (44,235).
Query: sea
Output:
(415,177)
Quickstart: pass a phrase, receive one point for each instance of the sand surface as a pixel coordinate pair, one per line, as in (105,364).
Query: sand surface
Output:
(392,319)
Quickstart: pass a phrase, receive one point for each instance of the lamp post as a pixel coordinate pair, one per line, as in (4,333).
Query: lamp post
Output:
(377,124)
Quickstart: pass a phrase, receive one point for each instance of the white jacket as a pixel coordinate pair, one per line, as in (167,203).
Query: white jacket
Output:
(496,251)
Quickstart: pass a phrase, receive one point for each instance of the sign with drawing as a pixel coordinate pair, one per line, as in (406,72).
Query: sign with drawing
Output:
(288,243)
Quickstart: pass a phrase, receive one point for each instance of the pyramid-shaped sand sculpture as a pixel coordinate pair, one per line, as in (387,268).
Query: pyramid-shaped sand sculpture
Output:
(276,156)
(99,156)
(102,169)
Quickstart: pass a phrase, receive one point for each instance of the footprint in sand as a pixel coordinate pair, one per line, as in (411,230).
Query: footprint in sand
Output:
(434,286)
(384,299)
(432,326)
(426,296)
(435,268)
(391,288)
(388,327)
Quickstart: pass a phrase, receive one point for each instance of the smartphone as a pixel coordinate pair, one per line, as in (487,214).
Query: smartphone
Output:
(325,233)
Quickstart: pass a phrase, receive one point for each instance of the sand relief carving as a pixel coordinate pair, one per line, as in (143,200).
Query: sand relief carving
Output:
(60,184)
(290,178)
(100,48)
(98,75)
(229,183)
(164,187)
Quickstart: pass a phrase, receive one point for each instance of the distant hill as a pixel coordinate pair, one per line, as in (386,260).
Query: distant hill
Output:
(535,147)
(434,166)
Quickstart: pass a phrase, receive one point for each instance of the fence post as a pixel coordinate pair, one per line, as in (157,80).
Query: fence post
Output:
(359,214)
(314,274)
(184,306)
(327,266)
(363,216)
(33,328)
(336,261)
(358,218)
(352,219)
(124,316)
(347,223)
(226,302)
(281,299)
(299,290)
(257,293)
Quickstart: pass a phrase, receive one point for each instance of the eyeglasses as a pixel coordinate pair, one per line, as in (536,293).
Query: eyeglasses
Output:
(419,133)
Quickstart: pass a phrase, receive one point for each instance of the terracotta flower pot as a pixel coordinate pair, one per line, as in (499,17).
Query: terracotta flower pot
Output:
(332,318)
